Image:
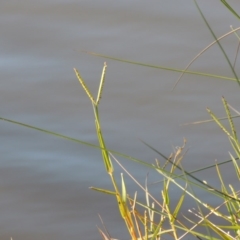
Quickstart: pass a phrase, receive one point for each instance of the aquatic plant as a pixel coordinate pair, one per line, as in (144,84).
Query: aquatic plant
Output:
(159,218)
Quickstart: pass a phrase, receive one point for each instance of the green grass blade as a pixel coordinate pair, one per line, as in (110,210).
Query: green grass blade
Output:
(233,139)
(234,193)
(165,193)
(105,155)
(237,169)
(103,191)
(230,211)
(50,132)
(157,231)
(162,67)
(225,3)
(235,146)
(229,227)
(224,189)
(219,44)
(219,123)
(202,169)
(219,231)
(209,120)
(179,205)
(150,213)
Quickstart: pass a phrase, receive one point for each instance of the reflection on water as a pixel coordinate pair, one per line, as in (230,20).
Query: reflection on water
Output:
(45,180)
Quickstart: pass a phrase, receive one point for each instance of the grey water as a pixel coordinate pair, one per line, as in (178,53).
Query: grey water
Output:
(45,180)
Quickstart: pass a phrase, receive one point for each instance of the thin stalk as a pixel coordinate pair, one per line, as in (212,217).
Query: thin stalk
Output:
(163,67)
(109,150)
(219,44)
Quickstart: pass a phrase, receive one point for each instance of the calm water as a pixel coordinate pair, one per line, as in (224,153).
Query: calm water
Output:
(45,180)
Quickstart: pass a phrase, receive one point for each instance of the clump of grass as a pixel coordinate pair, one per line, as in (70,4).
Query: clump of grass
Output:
(151,222)
(158,218)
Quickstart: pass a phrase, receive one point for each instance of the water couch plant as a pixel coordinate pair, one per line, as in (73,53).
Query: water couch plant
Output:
(143,225)
(160,218)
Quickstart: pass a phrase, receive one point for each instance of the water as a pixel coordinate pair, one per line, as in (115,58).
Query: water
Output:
(45,180)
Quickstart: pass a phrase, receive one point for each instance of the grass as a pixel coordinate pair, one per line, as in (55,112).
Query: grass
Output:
(144,225)
(158,218)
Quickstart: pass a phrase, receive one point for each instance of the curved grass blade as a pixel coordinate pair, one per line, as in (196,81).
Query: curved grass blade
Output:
(199,54)
(219,44)
(225,3)
(237,51)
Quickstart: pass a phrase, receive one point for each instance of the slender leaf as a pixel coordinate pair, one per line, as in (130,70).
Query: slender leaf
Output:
(219,123)
(162,67)
(179,205)
(235,166)
(230,8)
(219,44)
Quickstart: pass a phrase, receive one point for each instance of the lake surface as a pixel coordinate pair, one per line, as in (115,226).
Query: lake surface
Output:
(45,180)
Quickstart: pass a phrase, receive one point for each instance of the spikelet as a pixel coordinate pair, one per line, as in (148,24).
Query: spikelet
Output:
(101,83)
(225,104)
(84,85)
